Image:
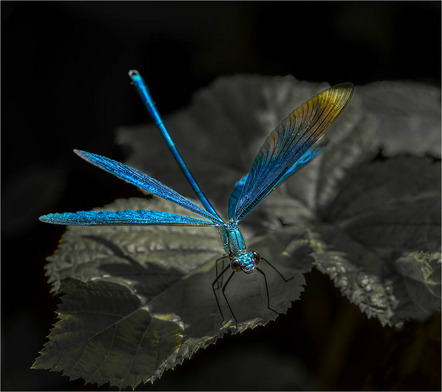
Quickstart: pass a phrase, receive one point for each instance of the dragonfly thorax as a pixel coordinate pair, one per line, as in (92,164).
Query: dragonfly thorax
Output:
(245,262)
(234,245)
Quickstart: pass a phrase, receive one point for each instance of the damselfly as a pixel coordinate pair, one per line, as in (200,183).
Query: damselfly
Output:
(290,146)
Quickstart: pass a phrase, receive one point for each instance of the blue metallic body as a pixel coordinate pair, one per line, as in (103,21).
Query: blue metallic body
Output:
(235,247)
(288,148)
(146,97)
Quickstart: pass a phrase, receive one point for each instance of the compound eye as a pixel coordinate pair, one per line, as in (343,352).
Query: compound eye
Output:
(256,256)
(236,265)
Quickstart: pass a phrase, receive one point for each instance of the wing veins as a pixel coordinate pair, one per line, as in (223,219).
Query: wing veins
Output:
(286,148)
(143,181)
(124,217)
(288,142)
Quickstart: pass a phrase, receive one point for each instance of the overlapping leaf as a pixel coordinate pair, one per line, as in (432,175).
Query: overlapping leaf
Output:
(385,210)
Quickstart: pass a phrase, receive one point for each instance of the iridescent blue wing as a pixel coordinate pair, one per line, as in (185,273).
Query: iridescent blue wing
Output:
(123,217)
(145,182)
(236,193)
(311,153)
(288,143)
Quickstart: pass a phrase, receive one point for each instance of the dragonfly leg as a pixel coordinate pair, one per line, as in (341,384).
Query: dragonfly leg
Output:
(279,273)
(215,282)
(227,301)
(267,290)
(220,280)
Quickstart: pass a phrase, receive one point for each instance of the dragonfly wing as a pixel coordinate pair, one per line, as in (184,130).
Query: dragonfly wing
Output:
(288,143)
(123,217)
(236,193)
(311,153)
(143,181)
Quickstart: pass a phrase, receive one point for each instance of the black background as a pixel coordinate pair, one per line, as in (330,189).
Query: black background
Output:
(65,85)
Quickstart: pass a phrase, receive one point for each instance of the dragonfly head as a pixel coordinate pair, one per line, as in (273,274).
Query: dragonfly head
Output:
(246,262)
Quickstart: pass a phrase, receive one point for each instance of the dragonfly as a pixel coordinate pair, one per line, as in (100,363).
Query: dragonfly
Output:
(288,148)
